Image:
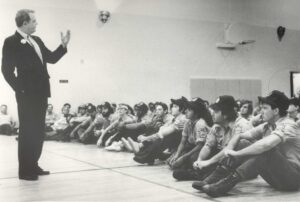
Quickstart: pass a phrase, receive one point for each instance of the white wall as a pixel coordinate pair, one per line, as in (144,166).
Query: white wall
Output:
(150,49)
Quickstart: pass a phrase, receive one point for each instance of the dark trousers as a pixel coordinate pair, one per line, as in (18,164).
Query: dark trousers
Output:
(246,167)
(153,149)
(6,129)
(274,168)
(32,112)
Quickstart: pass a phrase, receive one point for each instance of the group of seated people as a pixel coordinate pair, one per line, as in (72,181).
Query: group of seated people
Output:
(216,146)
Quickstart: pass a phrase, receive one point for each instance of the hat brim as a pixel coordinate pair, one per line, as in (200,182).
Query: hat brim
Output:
(192,106)
(215,106)
(177,102)
(265,100)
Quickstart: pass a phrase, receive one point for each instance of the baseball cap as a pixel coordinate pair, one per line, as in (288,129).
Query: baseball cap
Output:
(91,108)
(224,103)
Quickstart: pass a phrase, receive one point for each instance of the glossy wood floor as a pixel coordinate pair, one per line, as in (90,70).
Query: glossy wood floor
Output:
(86,173)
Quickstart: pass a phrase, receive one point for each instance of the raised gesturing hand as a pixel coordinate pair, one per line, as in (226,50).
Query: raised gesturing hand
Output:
(65,38)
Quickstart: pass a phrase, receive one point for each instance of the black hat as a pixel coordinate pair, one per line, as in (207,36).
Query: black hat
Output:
(276,99)
(225,103)
(106,105)
(196,105)
(91,108)
(142,106)
(181,102)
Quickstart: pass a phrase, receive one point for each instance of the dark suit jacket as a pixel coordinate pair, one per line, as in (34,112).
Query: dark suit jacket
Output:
(32,76)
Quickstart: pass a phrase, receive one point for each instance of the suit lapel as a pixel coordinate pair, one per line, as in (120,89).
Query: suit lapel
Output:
(26,45)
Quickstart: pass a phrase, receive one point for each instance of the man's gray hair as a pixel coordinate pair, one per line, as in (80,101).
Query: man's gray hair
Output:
(23,16)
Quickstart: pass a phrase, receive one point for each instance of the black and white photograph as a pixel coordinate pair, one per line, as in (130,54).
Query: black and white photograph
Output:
(150,100)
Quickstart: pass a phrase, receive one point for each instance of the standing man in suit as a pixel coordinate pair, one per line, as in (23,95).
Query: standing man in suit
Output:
(29,56)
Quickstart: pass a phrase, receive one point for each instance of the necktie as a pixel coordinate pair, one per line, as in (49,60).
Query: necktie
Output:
(35,47)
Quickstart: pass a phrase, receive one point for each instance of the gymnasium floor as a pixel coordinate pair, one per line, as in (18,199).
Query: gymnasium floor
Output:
(86,173)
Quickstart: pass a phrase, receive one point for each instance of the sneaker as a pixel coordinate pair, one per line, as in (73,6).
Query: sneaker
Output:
(184,174)
(115,146)
(219,173)
(223,186)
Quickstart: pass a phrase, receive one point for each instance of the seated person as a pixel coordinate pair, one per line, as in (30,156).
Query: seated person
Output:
(124,115)
(257,119)
(80,130)
(114,106)
(132,130)
(159,119)
(151,107)
(101,122)
(293,109)
(193,136)
(246,109)
(145,124)
(168,137)
(60,128)
(274,155)
(51,117)
(226,124)
(99,110)
(6,121)
(81,115)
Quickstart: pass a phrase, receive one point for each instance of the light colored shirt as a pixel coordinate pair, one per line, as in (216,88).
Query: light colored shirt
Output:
(168,119)
(288,131)
(51,118)
(179,122)
(220,136)
(62,122)
(195,131)
(6,119)
(102,122)
(79,119)
(144,119)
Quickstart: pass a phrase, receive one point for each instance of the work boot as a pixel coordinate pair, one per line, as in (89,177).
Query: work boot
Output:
(219,173)
(185,174)
(223,186)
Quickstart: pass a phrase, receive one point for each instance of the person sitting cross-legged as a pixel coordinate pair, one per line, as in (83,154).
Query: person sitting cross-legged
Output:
(226,124)
(79,132)
(193,136)
(274,155)
(168,137)
(107,135)
(101,121)
(145,125)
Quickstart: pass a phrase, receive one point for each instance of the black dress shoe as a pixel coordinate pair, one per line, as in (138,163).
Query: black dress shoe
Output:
(40,171)
(31,177)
